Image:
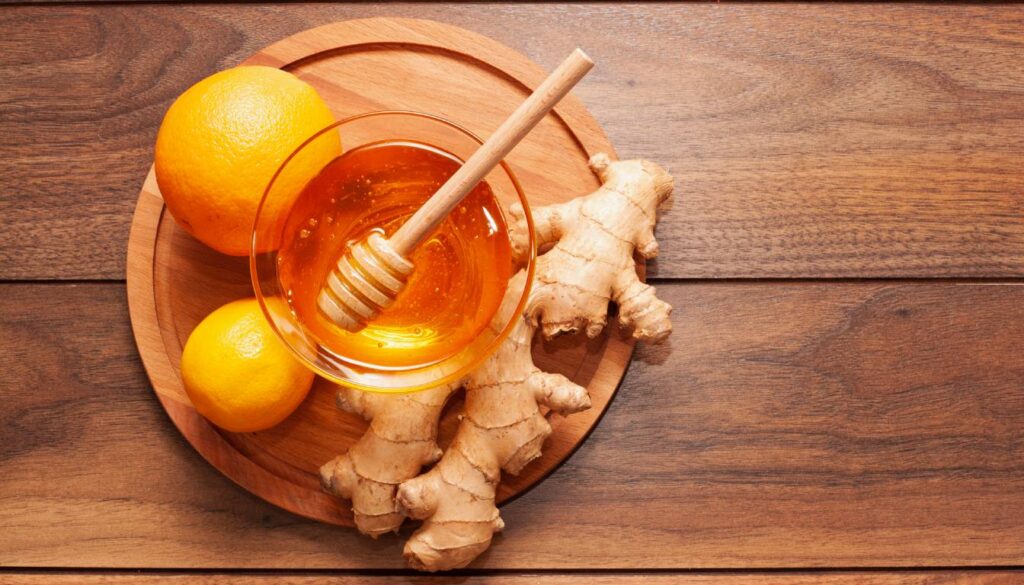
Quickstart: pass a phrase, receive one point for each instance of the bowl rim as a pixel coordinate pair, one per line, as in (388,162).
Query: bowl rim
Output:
(528,265)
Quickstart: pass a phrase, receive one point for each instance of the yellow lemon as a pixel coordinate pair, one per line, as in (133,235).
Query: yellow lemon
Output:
(238,373)
(224,138)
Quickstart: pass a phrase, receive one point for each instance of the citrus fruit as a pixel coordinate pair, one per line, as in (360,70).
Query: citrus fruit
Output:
(224,138)
(238,373)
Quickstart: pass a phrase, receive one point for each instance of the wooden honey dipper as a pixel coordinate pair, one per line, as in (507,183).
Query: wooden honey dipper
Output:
(367,279)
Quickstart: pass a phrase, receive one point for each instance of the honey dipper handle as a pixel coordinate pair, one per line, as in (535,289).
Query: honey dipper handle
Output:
(490,153)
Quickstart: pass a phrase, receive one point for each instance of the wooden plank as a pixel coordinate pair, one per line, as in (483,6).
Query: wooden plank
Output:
(859,424)
(811,141)
(829,578)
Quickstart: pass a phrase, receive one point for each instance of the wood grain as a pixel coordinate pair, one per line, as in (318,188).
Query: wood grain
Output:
(802,424)
(810,141)
(278,578)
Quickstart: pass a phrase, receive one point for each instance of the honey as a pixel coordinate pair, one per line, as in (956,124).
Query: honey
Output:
(460,275)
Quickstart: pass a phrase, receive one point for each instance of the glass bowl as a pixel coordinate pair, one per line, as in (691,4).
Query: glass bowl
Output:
(276,255)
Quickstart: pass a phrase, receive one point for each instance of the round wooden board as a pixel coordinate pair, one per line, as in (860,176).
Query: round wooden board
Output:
(360,66)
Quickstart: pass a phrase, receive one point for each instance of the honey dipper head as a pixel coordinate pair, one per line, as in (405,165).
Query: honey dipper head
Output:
(364,282)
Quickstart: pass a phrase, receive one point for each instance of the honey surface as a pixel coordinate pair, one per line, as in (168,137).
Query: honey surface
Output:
(460,275)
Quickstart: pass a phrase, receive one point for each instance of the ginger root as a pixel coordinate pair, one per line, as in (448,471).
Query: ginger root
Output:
(502,428)
(592,241)
(401,439)
(592,259)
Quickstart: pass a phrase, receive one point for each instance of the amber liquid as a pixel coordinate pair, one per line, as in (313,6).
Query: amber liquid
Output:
(460,273)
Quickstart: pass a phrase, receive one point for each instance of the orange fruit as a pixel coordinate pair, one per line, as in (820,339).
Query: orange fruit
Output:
(224,138)
(238,373)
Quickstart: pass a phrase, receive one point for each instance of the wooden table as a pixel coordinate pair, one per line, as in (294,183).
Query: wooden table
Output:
(842,401)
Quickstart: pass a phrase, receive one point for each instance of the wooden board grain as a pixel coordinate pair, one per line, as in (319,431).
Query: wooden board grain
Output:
(804,424)
(690,578)
(423,66)
(810,140)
